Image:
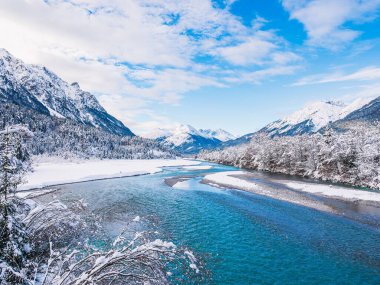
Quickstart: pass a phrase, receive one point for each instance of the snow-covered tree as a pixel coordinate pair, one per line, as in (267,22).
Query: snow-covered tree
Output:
(348,154)
(13,239)
(66,138)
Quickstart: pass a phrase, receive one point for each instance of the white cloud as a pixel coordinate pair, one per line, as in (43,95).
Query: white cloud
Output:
(324,20)
(135,111)
(252,51)
(256,77)
(135,52)
(364,74)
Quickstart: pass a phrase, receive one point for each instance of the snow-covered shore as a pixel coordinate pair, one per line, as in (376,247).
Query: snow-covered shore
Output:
(232,179)
(335,191)
(198,167)
(60,172)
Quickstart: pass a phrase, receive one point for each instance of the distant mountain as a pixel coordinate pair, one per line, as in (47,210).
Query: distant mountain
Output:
(38,88)
(315,116)
(240,140)
(219,134)
(309,119)
(188,140)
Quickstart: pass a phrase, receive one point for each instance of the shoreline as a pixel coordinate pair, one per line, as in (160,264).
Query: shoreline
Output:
(307,179)
(297,199)
(47,174)
(82,181)
(363,211)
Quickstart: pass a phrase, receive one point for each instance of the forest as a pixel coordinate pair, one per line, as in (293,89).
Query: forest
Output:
(65,138)
(346,153)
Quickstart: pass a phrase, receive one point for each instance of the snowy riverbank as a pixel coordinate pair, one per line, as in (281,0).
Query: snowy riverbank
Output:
(239,180)
(50,173)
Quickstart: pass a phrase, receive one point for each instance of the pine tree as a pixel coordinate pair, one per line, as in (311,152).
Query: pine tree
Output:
(13,241)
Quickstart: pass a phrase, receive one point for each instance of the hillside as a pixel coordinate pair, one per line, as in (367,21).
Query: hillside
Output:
(40,89)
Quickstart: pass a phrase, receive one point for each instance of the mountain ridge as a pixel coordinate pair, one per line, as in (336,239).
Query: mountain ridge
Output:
(37,87)
(316,116)
(189,140)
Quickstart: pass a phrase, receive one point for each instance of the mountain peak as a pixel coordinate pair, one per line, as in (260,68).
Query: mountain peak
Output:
(187,139)
(312,117)
(184,128)
(219,134)
(38,88)
(336,103)
(75,85)
(4,52)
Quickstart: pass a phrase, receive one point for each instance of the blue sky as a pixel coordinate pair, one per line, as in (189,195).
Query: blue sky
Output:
(232,64)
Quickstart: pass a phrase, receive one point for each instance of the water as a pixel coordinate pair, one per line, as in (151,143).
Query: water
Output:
(244,238)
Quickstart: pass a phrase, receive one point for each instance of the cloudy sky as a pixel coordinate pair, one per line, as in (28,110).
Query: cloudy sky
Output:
(234,64)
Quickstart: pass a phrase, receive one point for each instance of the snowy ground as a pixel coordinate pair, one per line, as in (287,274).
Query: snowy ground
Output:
(61,172)
(229,179)
(225,179)
(335,191)
(198,167)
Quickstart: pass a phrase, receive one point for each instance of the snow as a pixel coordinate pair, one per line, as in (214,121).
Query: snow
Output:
(178,139)
(182,134)
(63,100)
(17,129)
(182,185)
(335,191)
(32,194)
(225,179)
(54,113)
(355,105)
(198,167)
(320,113)
(54,173)
(219,134)
(51,111)
(158,133)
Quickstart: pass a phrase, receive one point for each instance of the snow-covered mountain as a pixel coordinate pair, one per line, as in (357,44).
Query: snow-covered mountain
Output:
(187,139)
(219,134)
(312,118)
(36,87)
(309,119)
(315,116)
(369,111)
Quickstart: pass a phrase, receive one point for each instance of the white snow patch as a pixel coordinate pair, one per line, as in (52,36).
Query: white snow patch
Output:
(225,179)
(334,191)
(198,167)
(182,185)
(54,173)
(54,113)
(32,194)
(219,134)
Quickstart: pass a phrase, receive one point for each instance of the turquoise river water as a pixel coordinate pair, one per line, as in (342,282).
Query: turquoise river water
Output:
(244,238)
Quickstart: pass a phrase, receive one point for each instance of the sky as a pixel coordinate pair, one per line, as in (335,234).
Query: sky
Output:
(230,64)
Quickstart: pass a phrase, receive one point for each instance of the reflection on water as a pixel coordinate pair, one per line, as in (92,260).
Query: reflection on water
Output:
(245,238)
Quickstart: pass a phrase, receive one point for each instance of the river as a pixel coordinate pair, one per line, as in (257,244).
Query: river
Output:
(243,238)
